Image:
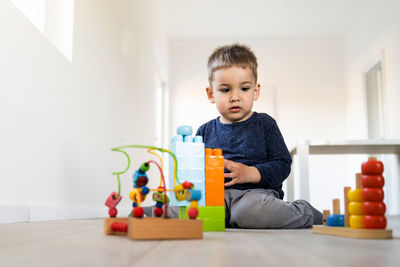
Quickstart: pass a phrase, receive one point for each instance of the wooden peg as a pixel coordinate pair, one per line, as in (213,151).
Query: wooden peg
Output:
(325,214)
(346,206)
(358,180)
(336,206)
(371,158)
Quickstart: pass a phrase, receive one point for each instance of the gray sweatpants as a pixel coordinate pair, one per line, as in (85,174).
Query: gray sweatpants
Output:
(261,209)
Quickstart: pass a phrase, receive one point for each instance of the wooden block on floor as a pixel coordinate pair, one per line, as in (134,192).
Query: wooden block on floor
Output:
(160,228)
(353,233)
(109,221)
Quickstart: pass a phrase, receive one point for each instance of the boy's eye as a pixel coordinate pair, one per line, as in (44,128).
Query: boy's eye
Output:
(245,88)
(224,90)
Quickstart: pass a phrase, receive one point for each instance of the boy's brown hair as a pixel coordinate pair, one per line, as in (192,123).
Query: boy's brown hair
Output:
(231,55)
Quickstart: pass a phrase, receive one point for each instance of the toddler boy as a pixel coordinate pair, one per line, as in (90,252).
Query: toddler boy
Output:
(257,160)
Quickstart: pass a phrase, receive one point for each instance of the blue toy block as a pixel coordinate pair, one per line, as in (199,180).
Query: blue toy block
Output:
(187,149)
(188,139)
(191,174)
(198,139)
(176,138)
(190,162)
(335,220)
(184,130)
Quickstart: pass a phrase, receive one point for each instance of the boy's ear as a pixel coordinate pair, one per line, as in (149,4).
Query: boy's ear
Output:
(257,91)
(210,94)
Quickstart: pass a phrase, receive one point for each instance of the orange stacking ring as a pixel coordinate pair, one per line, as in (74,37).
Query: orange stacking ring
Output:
(375,222)
(372,194)
(376,181)
(373,208)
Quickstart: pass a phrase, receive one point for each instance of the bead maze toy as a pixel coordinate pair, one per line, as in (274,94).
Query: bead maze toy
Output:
(364,207)
(158,227)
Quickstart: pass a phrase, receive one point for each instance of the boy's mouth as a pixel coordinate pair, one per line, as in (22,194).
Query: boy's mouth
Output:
(235,109)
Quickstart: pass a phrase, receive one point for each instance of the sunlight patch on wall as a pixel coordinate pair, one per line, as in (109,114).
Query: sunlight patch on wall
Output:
(54,19)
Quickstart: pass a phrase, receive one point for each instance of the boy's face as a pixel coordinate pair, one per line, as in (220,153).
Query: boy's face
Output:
(233,91)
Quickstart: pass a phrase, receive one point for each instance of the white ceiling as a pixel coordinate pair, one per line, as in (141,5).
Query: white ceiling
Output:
(209,19)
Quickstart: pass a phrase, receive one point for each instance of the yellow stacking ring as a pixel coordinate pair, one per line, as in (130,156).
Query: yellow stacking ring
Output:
(356,208)
(355,195)
(357,221)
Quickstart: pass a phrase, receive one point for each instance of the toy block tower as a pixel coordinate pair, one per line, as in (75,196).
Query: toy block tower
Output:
(213,214)
(189,152)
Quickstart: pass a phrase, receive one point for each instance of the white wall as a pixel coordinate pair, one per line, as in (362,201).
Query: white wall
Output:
(60,119)
(308,76)
(376,33)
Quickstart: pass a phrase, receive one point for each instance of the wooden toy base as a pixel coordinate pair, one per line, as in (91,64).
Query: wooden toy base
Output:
(353,233)
(157,228)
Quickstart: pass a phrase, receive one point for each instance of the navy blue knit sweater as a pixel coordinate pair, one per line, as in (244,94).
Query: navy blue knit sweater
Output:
(256,142)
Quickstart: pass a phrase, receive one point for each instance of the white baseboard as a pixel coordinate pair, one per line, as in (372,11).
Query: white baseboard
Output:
(14,213)
(35,213)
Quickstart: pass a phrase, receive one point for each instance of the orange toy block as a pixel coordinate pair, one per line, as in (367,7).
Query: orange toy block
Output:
(214,170)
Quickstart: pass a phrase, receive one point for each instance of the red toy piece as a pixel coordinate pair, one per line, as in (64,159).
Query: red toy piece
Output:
(375,222)
(372,194)
(119,227)
(158,212)
(187,185)
(376,181)
(372,166)
(374,208)
(113,212)
(193,213)
(113,200)
(138,212)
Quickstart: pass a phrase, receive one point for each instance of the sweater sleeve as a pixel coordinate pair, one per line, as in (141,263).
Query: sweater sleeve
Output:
(278,164)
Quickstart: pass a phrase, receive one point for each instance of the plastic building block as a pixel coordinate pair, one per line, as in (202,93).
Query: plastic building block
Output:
(184,130)
(189,153)
(214,168)
(213,217)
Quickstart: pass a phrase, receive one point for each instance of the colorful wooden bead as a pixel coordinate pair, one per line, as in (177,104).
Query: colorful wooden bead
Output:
(193,213)
(335,220)
(355,195)
(145,167)
(374,208)
(372,194)
(138,212)
(113,200)
(376,181)
(356,221)
(160,189)
(145,190)
(356,208)
(119,227)
(158,212)
(159,204)
(375,222)
(180,193)
(194,204)
(113,212)
(193,195)
(187,185)
(372,167)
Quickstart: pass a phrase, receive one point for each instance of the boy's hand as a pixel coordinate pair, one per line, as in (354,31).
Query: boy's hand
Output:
(241,173)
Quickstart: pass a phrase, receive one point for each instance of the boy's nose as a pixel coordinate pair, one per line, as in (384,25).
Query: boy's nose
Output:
(235,97)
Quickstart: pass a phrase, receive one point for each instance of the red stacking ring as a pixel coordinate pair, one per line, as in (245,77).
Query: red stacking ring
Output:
(372,194)
(374,208)
(372,167)
(375,222)
(376,181)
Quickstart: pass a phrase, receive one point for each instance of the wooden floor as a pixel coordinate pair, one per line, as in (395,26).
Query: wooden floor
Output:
(82,243)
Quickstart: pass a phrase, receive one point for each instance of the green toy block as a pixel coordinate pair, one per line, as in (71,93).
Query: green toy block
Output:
(213,217)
